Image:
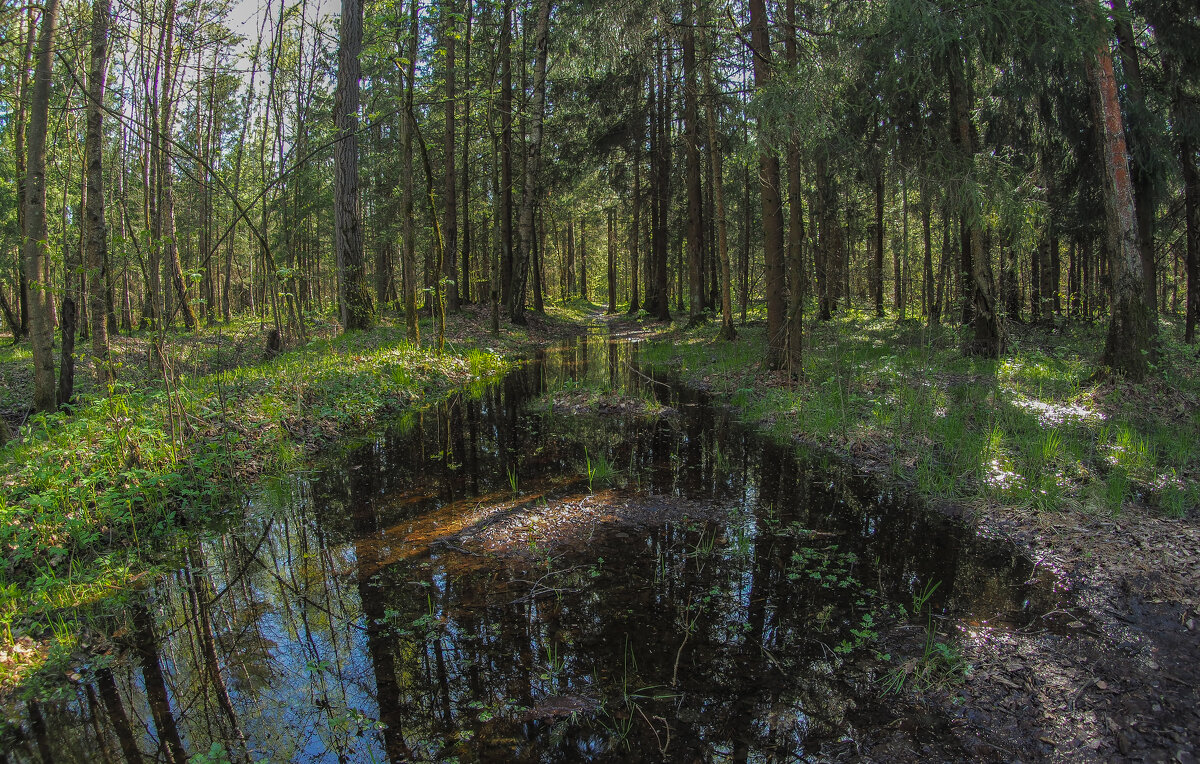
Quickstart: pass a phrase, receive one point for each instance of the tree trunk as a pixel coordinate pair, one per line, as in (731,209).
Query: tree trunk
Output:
(1131,344)
(450,224)
(927,252)
(409,264)
(728,332)
(533,151)
(771,203)
(356,308)
(877,269)
(1191,203)
(538,285)
(20,159)
(97,254)
(612,261)
(70,318)
(465,282)
(661,191)
(41,329)
(507,250)
(691,140)
(166,178)
(830,238)
(1191,199)
(570,258)
(635,235)
(795,242)
(583,285)
(988,338)
(1136,136)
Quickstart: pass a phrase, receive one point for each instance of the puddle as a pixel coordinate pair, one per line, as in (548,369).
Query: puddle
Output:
(455,589)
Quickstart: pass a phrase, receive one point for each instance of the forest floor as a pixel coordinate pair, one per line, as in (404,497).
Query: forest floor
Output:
(1096,479)
(93,499)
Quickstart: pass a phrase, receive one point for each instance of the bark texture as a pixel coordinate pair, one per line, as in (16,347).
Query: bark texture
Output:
(41,327)
(1131,343)
(357,309)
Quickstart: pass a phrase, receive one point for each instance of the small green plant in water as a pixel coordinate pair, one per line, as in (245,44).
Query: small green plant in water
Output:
(940,664)
(598,469)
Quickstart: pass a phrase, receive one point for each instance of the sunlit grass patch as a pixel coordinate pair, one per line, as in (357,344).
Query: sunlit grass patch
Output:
(91,500)
(1032,429)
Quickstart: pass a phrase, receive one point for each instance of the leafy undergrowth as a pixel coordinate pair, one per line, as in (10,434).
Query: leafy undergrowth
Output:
(93,501)
(1034,429)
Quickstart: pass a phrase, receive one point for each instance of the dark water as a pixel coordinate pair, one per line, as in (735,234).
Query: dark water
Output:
(709,597)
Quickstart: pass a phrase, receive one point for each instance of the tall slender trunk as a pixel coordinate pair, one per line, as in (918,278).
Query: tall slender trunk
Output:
(538,289)
(1191,206)
(662,187)
(691,141)
(1131,344)
(356,306)
(41,328)
(635,234)
(507,250)
(533,151)
(583,285)
(409,265)
(97,252)
(450,224)
(728,332)
(877,268)
(830,237)
(465,283)
(988,337)
(927,252)
(771,203)
(570,257)
(795,237)
(20,158)
(1137,135)
(612,261)
(166,177)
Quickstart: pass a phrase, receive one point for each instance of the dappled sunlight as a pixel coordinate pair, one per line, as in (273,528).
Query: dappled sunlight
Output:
(1056,414)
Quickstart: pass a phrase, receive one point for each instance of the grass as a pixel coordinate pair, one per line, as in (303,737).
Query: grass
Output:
(598,469)
(93,501)
(1033,429)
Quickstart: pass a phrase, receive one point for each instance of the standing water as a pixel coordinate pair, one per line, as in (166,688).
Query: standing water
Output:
(515,576)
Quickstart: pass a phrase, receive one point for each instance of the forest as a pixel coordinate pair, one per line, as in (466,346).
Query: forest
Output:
(566,380)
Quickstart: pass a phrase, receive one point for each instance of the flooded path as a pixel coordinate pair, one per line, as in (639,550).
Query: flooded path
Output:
(513,577)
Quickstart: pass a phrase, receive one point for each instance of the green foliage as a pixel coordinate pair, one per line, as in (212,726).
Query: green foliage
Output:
(94,500)
(939,664)
(598,469)
(1033,429)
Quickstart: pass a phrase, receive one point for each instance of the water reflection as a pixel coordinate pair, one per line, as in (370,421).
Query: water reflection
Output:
(453,588)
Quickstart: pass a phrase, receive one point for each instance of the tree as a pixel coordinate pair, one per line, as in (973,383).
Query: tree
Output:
(41,328)
(450,225)
(407,126)
(988,336)
(533,153)
(357,310)
(691,138)
(1131,344)
(769,190)
(96,237)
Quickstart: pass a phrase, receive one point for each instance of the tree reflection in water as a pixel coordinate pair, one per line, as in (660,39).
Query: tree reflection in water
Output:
(723,602)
